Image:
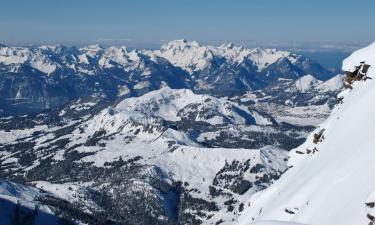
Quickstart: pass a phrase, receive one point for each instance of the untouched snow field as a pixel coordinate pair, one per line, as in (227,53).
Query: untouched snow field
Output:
(332,185)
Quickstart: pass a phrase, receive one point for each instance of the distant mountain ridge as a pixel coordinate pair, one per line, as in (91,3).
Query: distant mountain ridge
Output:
(36,78)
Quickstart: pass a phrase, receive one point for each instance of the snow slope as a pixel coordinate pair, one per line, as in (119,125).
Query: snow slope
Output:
(174,105)
(330,186)
(309,82)
(16,199)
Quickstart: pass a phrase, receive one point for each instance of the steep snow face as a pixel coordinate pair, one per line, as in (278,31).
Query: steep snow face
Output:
(330,180)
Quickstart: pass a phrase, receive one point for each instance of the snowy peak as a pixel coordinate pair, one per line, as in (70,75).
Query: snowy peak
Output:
(36,58)
(187,55)
(264,58)
(226,70)
(91,50)
(310,83)
(179,44)
(334,84)
(194,57)
(114,56)
(183,104)
(306,83)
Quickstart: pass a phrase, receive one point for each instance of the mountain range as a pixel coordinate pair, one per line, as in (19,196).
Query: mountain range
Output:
(37,78)
(186,134)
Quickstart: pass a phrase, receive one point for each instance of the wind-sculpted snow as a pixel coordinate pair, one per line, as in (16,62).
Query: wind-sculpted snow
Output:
(330,179)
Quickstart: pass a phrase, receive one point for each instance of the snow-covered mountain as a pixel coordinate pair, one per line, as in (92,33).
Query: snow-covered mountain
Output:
(183,104)
(36,78)
(193,57)
(181,135)
(330,177)
(33,79)
(306,101)
(229,67)
(187,156)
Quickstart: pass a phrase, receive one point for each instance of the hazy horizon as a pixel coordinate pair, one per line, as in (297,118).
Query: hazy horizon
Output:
(148,23)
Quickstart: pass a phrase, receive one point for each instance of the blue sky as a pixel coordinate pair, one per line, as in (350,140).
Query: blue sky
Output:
(149,21)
